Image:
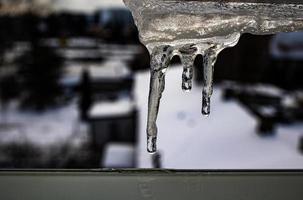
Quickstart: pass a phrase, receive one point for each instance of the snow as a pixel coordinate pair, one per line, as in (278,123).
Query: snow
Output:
(79,53)
(110,69)
(46,129)
(73,42)
(84,6)
(224,140)
(119,49)
(118,155)
(120,107)
(186,140)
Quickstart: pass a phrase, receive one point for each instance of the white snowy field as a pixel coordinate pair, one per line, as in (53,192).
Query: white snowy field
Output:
(186,139)
(224,140)
(49,139)
(51,128)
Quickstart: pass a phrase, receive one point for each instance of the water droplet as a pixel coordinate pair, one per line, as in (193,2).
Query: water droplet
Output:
(205,105)
(151,144)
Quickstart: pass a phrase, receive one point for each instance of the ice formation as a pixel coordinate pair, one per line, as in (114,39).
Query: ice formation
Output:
(188,28)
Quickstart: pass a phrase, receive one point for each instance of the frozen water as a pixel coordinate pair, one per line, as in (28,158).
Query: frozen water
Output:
(188,54)
(177,22)
(189,28)
(159,62)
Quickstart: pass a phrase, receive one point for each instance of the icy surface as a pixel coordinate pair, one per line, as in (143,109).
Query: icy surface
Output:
(189,28)
(179,22)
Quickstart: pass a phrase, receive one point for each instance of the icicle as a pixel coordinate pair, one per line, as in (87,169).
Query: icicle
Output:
(209,59)
(159,62)
(187,58)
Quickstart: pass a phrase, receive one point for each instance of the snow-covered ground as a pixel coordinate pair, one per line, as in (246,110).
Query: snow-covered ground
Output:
(42,129)
(49,139)
(224,140)
(187,140)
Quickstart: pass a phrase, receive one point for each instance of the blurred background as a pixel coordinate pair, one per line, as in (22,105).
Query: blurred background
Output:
(74,82)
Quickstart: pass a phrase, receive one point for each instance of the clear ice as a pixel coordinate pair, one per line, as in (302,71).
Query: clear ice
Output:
(159,62)
(187,58)
(188,28)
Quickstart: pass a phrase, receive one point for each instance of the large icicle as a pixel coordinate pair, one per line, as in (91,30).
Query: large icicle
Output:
(160,59)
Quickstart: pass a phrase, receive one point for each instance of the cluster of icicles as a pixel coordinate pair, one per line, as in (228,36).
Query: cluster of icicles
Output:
(188,28)
(160,59)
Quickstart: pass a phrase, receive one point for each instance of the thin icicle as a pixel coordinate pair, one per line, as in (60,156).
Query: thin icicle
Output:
(209,59)
(188,53)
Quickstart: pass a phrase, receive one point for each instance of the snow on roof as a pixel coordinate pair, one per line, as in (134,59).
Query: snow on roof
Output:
(120,107)
(79,53)
(84,6)
(110,52)
(111,69)
(73,42)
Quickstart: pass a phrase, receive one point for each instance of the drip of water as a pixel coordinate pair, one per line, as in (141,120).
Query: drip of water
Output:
(189,28)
